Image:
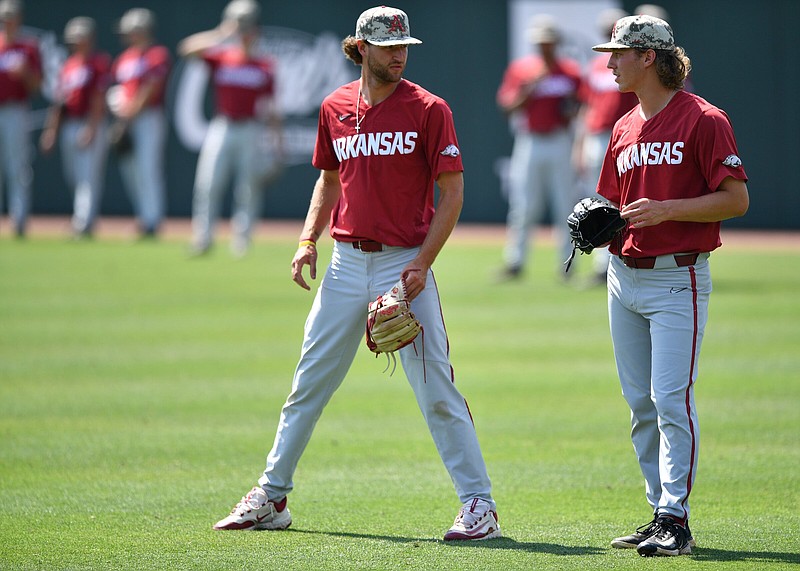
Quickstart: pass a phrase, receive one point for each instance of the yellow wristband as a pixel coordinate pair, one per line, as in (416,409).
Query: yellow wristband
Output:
(307,243)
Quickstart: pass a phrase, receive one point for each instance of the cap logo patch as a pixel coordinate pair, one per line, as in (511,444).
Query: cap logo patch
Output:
(397,25)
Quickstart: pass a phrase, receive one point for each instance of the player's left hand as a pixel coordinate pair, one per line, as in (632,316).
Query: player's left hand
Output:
(645,212)
(415,276)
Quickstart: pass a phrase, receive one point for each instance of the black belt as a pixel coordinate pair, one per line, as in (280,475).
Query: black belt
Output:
(681,261)
(368,246)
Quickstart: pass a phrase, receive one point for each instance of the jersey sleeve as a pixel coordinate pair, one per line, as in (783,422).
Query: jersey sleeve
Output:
(717,153)
(510,86)
(441,143)
(608,183)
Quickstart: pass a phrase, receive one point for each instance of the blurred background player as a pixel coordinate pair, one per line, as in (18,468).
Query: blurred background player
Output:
(78,114)
(137,100)
(603,105)
(20,79)
(540,92)
(653,10)
(244,89)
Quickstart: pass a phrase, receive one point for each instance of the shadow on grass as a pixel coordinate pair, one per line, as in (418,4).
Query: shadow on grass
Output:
(704,554)
(499,543)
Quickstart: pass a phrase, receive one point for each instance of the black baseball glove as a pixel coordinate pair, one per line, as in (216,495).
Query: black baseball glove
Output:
(120,138)
(592,223)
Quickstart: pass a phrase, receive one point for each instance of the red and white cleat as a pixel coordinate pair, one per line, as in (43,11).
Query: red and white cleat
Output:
(475,521)
(257,511)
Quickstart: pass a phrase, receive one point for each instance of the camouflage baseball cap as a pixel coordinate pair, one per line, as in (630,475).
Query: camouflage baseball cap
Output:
(639,31)
(384,26)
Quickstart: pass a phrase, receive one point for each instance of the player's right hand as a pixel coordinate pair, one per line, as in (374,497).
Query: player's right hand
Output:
(305,255)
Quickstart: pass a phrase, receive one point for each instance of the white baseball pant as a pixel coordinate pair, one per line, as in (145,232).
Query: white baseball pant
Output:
(540,168)
(143,168)
(230,150)
(15,166)
(334,331)
(657,320)
(84,169)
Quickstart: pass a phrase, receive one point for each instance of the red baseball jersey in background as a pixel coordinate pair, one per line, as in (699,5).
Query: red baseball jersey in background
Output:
(20,52)
(239,80)
(544,107)
(81,77)
(605,104)
(136,66)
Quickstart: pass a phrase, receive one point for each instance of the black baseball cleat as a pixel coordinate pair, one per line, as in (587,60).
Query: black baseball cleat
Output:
(633,540)
(642,533)
(669,538)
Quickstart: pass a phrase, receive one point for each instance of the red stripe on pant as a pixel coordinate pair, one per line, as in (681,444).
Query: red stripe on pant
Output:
(689,389)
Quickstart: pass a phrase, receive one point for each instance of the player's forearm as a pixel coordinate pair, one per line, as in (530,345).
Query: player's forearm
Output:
(729,201)
(54,117)
(451,200)
(197,43)
(326,192)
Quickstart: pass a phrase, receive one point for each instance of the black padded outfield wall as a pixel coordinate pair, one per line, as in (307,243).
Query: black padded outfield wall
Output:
(738,49)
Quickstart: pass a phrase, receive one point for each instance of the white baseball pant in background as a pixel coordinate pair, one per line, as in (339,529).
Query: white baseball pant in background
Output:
(143,168)
(230,151)
(84,169)
(15,162)
(540,168)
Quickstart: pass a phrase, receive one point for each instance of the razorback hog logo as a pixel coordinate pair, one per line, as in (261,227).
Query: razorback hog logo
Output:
(397,24)
(732,161)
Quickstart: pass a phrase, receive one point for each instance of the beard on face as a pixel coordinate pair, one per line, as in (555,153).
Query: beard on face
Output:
(382,72)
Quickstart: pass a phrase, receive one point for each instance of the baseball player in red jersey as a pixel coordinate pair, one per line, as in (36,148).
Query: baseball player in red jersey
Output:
(244,89)
(672,166)
(602,105)
(78,114)
(137,99)
(20,79)
(382,143)
(540,92)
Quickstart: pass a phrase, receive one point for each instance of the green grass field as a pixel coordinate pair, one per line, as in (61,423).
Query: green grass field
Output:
(140,391)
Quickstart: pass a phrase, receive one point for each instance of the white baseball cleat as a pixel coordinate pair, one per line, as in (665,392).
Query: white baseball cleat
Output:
(257,511)
(475,521)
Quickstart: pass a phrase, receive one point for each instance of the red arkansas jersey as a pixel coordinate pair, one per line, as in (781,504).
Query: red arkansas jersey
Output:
(239,80)
(81,78)
(137,66)
(388,168)
(685,151)
(543,109)
(22,52)
(604,101)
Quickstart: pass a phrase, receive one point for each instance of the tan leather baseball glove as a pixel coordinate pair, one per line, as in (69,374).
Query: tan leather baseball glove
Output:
(390,323)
